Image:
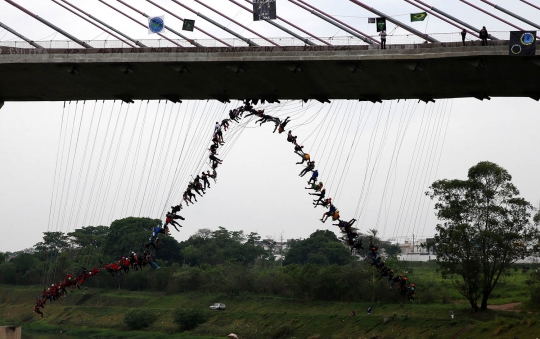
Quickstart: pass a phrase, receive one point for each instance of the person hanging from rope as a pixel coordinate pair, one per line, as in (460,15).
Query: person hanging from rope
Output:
(281,127)
(213,175)
(410,293)
(215,140)
(176,208)
(187,198)
(160,230)
(310,167)
(305,157)
(219,135)
(192,186)
(225,124)
(323,203)
(215,160)
(265,118)
(291,138)
(345,225)
(299,150)
(331,211)
(39,304)
(171,220)
(234,115)
(191,194)
(258,113)
(213,148)
(314,176)
(204,177)
(197,184)
(357,245)
(151,261)
(321,196)
(316,187)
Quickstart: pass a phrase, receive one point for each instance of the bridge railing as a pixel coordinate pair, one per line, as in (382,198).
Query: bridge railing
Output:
(285,41)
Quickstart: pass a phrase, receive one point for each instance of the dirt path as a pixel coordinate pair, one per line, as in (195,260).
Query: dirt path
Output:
(505,307)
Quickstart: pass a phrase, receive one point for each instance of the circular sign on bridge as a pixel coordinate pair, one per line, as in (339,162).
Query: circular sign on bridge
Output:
(527,39)
(156,24)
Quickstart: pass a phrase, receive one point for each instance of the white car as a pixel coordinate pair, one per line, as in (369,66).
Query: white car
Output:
(218,306)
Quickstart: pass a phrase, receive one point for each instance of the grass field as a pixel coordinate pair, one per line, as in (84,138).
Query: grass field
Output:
(100,313)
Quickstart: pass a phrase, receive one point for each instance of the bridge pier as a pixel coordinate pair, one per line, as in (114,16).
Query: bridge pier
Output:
(10,332)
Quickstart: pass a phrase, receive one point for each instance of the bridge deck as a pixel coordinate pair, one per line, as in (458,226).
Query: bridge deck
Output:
(426,71)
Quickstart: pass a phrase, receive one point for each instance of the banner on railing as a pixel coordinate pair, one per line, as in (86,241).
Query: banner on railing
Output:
(264,10)
(522,43)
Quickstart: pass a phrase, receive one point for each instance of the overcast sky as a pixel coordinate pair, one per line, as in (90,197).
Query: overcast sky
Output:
(91,163)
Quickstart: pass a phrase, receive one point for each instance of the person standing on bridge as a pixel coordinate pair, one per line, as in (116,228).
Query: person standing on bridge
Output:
(463,34)
(484,36)
(383,39)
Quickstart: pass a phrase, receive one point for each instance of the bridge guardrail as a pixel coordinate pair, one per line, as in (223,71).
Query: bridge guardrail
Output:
(284,41)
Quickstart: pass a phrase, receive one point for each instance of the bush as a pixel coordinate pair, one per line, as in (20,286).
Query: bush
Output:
(188,319)
(139,319)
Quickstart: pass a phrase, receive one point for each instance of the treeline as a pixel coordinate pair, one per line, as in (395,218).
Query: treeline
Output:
(224,261)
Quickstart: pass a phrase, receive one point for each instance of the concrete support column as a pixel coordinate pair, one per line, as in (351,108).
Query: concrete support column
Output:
(10,332)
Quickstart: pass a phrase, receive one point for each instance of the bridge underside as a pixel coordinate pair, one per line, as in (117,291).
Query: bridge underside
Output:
(425,72)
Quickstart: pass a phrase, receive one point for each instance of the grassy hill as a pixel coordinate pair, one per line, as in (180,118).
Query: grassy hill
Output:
(100,313)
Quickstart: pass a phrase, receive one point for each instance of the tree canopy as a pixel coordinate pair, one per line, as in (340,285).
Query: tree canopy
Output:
(321,248)
(485,228)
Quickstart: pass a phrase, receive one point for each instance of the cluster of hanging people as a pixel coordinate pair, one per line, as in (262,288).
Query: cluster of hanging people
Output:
(201,183)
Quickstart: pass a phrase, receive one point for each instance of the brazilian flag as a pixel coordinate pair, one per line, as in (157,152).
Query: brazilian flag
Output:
(418,16)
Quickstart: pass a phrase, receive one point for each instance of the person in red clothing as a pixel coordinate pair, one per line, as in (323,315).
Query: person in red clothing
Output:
(39,304)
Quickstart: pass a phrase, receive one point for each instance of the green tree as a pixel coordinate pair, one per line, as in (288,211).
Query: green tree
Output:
(321,248)
(53,242)
(129,234)
(485,228)
(90,236)
(139,319)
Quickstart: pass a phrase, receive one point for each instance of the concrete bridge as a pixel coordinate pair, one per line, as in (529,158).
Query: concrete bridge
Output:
(421,71)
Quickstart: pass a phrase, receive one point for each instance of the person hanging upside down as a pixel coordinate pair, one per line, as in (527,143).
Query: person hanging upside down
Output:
(281,127)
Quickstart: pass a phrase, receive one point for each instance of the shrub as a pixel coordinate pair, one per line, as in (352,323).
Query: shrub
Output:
(188,319)
(139,319)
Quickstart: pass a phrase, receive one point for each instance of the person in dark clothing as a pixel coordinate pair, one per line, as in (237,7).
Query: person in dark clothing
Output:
(205,180)
(299,150)
(215,160)
(484,36)
(170,220)
(308,168)
(321,196)
(323,203)
(281,127)
(225,124)
(176,208)
(291,138)
(187,198)
(463,34)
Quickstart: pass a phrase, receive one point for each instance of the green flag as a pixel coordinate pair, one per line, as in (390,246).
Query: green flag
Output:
(418,16)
